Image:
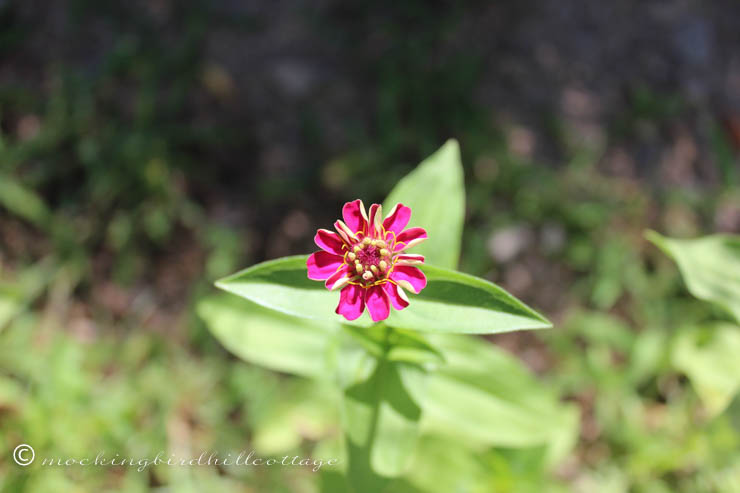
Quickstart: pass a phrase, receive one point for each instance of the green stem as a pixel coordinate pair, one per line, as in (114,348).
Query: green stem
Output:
(360,474)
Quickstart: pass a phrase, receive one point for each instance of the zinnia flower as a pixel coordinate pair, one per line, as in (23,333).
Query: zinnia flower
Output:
(366,259)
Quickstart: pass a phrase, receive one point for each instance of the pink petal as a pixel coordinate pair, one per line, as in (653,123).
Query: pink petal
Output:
(351,302)
(409,259)
(322,264)
(347,235)
(409,238)
(375,220)
(409,278)
(397,296)
(377,303)
(397,219)
(329,242)
(354,215)
(338,279)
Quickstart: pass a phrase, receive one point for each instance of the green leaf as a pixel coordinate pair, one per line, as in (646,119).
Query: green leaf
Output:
(11,303)
(283,285)
(382,424)
(452,302)
(410,347)
(23,201)
(710,267)
(303,409)
(395,344)
(710,359)
(444,464)
(436,194)
(17,294)
(268,338)
(447,464)
(485,396)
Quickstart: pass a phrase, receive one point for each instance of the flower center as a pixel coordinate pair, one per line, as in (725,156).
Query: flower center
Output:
(370,261)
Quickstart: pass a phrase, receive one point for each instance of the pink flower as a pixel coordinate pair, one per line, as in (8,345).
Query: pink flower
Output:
(366,259)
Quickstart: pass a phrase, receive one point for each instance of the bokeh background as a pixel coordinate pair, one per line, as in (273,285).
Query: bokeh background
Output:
(150,147)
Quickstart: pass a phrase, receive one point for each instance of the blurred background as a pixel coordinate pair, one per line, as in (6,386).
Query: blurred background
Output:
(150,147)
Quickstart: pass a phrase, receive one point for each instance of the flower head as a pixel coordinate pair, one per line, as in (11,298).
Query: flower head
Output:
(366,259)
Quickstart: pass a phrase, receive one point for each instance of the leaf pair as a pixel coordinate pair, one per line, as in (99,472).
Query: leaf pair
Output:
(452,302)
